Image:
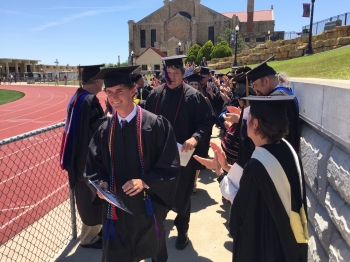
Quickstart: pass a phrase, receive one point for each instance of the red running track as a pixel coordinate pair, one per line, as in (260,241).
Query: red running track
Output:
(31,181)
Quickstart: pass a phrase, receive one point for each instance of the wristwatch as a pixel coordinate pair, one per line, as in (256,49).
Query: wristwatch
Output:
(221,177)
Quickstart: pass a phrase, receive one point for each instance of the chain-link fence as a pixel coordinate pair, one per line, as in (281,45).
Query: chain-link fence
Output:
(42,81)
(318,27)
(37,208)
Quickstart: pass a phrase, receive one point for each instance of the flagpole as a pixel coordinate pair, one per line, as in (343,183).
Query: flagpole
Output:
(309,50)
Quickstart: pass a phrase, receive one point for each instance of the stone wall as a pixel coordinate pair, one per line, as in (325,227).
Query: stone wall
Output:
(286,49)
(325,154)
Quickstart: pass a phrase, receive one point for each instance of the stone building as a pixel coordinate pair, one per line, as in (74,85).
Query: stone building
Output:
(179,24)
(22,66)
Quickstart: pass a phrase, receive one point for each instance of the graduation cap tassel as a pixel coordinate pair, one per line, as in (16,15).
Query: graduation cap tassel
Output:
(149,204)
(167,78)
(109,232)
(159,235)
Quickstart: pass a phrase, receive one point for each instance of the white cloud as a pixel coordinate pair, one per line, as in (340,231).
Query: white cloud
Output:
(80,15)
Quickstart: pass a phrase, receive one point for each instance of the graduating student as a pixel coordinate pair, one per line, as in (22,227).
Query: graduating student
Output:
(142,89)
(268,220)
(84,116)
(134,154)
(189,114)
(211,91)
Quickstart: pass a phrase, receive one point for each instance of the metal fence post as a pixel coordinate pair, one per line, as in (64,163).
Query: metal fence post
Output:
(73,213)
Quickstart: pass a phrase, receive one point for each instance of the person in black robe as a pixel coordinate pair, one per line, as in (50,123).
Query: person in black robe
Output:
(81,124)
(211,91)
(134,154)
(266,82)
(142,89)
(190,116)
(268,220)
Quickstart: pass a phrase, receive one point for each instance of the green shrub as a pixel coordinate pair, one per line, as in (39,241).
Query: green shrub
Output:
(205,51)
(192,54)
(222,49)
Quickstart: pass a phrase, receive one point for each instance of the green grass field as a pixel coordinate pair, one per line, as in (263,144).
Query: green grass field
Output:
(7,96)
(328,65)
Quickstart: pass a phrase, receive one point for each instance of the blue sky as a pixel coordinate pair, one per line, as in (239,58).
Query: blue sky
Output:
(90,31)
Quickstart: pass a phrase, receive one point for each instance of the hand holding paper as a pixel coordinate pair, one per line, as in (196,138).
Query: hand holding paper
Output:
(185,156)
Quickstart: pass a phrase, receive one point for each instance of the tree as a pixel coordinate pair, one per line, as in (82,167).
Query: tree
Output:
(222,49)
(226,36)
(192,54)
(116,65)
(205,51)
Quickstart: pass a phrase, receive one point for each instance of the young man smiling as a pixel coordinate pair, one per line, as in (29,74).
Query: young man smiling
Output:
(134,155)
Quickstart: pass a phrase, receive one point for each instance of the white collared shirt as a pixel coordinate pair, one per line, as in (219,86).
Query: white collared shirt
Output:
(129,117)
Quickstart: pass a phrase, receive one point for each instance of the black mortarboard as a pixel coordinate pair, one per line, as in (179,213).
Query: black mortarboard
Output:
(175,60)
(230,75)
(219,74)
(269,108)
(204,70)
(157,73)
(261,70)
(136,77)
(194,78)
(239,74)
(117,75)
(212,72)
(240,92)
(89,71)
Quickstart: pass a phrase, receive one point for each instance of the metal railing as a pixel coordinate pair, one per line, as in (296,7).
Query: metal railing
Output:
(37,207)
(291,35)
(318,27)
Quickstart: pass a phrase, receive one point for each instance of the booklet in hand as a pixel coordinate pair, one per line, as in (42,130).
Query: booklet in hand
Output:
(110,197)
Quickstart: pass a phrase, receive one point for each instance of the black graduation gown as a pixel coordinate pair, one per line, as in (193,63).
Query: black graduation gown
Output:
(259,225)
(216,102)
(136,235)
(193,119)
(144,92)
(91,118)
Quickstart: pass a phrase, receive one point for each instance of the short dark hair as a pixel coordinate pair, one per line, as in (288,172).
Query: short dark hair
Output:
(177,67)
(124,85)
(274,131)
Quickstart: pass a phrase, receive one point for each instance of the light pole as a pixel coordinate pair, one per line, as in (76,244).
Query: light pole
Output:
(41,75)
(118,60)
(309,50)
(132,58)
(235,62)
(179,44)
(268,33)
(1,70)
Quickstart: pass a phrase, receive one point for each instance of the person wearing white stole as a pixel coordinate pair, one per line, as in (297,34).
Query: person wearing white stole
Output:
(268,220)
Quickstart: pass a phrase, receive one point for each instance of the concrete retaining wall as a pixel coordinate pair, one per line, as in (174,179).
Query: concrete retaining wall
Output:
(325,153)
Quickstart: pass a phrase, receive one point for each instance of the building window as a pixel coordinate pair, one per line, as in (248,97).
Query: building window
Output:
(156,67)
(260,39)
(143,38)
(153,36)
(144,67)
(247,39)
(211,33)
(165,53)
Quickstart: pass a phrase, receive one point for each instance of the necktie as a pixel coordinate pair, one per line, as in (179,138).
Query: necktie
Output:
(123,124)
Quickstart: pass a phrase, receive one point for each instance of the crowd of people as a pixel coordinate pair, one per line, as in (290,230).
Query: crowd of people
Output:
(135,150)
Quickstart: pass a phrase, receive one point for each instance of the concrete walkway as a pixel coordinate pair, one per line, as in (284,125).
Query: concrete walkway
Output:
(208,233)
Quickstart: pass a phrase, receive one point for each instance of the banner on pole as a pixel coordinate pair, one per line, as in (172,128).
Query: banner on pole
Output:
(306,8)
